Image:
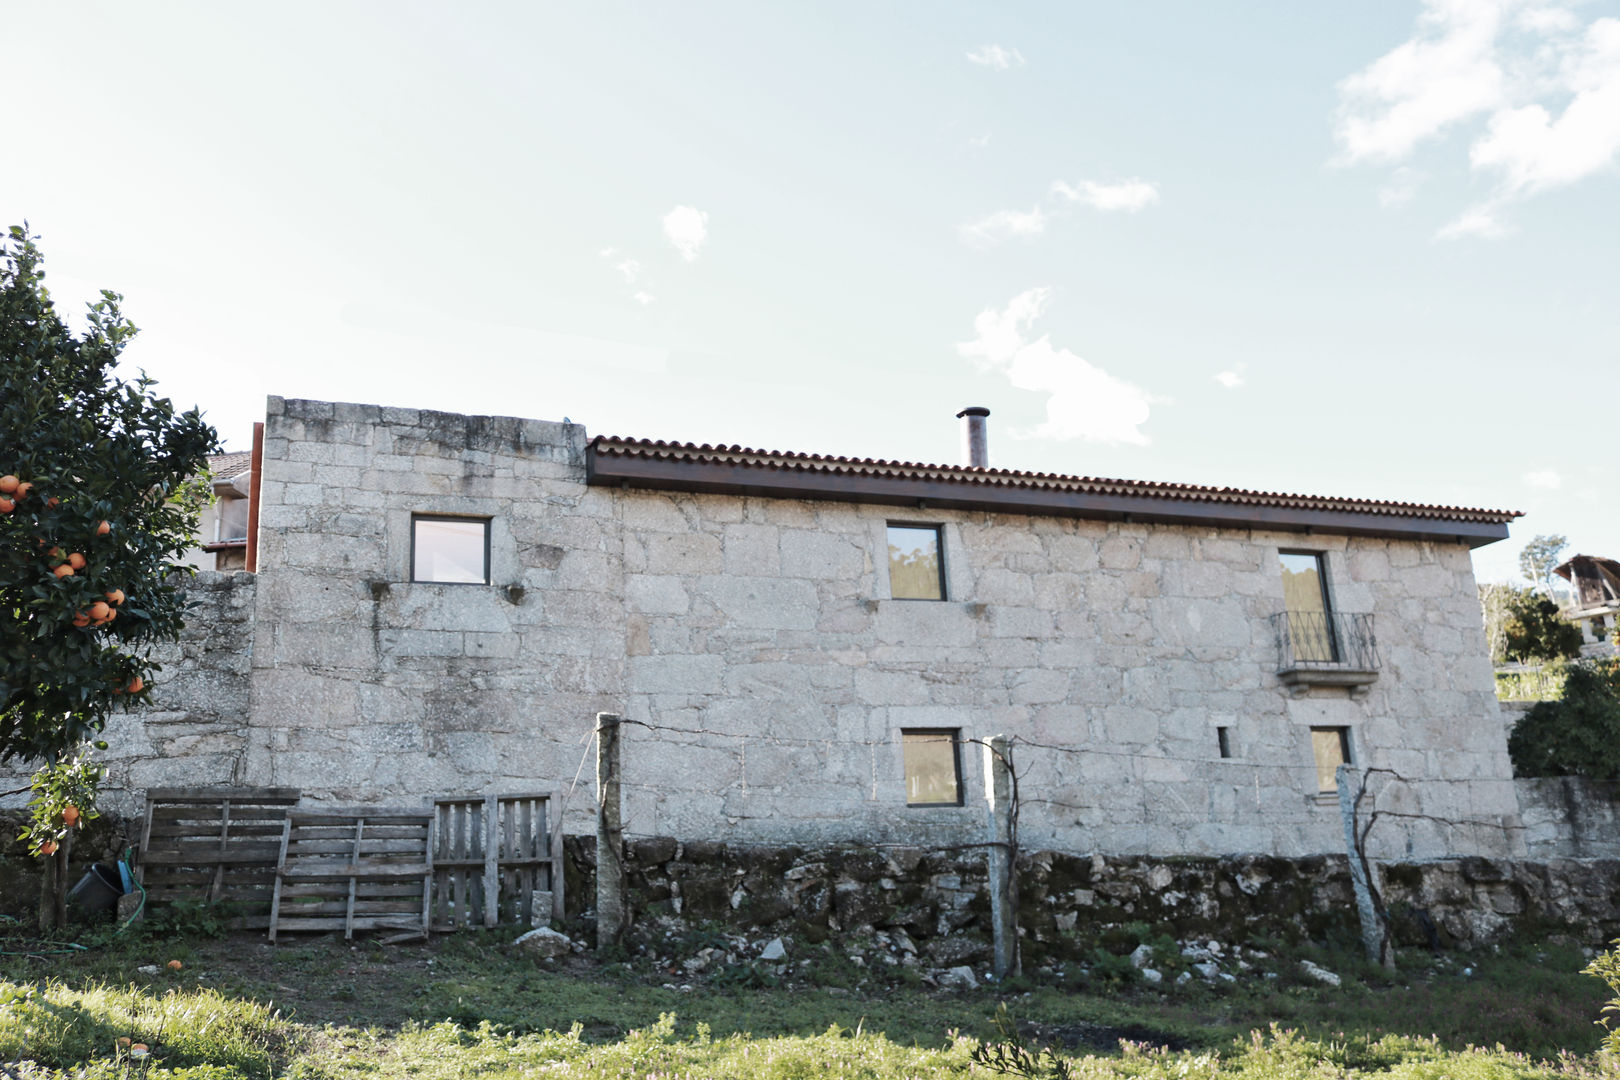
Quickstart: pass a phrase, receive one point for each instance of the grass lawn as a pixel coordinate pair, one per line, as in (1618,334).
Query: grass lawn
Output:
(472,1005)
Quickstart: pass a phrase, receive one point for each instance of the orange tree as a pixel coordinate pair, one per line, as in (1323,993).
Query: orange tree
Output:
(100,488)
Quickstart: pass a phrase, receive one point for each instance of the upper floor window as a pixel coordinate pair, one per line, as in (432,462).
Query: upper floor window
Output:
(916,568)
(450,550)
(232,519)
(1306,598)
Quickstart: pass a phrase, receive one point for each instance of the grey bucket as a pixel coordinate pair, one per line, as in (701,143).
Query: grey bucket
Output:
(98,890)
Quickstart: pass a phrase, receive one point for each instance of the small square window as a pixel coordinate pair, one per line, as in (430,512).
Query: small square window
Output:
(916,570)
(1331,746)
(933,762)
(450,550)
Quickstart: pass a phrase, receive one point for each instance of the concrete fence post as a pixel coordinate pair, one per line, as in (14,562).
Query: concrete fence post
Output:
(998,797)
(1373,936)
(612,915)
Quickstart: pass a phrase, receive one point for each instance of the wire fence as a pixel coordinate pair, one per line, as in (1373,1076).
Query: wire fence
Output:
(1046,777)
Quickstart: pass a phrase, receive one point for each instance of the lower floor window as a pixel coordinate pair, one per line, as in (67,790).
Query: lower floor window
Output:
(1331,745)
(933,763)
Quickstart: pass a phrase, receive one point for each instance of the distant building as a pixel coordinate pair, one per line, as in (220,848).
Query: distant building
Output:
(1596,584)
(223,527)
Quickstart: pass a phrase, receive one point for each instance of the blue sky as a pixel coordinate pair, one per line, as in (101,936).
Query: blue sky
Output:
(1362,250)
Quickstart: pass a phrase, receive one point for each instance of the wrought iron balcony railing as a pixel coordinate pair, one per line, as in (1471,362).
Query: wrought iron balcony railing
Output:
(1331,649)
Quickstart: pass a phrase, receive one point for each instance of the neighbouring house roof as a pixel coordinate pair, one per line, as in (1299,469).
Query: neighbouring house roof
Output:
(229,466)
(613,460)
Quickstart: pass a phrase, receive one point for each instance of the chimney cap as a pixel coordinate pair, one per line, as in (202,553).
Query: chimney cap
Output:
(973,410)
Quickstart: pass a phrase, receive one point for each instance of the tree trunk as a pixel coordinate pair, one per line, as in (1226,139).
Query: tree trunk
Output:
(53,889)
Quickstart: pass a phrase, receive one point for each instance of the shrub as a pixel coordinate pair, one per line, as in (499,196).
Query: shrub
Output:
(1576,736)
(1607,968)
(1534,630)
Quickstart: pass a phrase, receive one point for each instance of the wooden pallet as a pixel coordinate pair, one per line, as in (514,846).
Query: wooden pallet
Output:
(366,868)
(214,846)
(497,858)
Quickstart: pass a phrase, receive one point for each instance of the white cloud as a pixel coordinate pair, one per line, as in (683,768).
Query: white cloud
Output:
(1401,189)
(1532,151)
(979,142)
(1083,402)
(1546,479)
(688,229)
(1127,195)
(1447,72)
(643,297)
(1544,89)
(1003,225)
(1481,220)
(996,57)
(629,269)
(1232,379)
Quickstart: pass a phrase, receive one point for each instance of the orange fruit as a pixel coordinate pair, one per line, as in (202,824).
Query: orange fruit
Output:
(81,619)
(123,1041)
(99,611)
(56,553)
(136,685)
(7,506)
(63,571)
(115,597)
(175,965)
(23,489)
(104,528)
(53,502)
(48,848)
(8,484)
(70,815)
(112,613)
(76,561)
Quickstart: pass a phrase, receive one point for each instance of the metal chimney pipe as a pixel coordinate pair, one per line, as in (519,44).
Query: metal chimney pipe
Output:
(975,446)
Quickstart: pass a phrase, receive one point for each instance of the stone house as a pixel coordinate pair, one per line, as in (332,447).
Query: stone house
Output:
(809,649)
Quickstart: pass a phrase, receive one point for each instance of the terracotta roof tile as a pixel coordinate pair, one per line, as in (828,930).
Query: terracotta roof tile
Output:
(616,446)
(229,466)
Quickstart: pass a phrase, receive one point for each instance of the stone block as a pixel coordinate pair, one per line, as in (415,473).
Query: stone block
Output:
(763,603)
(811,554)
(682,554)
(675,675)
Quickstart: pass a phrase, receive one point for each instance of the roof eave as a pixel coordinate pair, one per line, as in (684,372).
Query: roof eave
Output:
(720,477)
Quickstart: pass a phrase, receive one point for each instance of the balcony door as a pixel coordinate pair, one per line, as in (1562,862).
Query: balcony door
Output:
(1310,627)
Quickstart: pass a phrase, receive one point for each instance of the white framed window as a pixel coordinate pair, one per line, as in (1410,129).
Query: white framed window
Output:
(450,550)
(231,519)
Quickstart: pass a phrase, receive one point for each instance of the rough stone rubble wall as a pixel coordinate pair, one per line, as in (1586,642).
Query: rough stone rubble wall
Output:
(756,641)
(194,732)
(937,899)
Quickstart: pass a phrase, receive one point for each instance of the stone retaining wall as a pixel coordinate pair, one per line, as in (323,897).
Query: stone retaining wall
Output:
(1069,903)
(1570,817)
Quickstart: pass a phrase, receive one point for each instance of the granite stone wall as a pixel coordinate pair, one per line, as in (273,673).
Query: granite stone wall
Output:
(194,731)
(767,673)
(1570,817)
